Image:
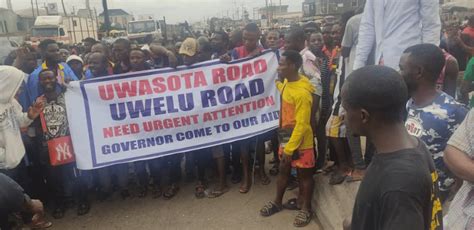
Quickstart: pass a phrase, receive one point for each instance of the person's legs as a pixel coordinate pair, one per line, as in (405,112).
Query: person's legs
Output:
(81,191)
(227,156)
(244,146)
(142,175)
(105,182)
(56,183)
(282,182)
(156,172)
(221,187)
(260,155)
(344,167)
(305,176)
(121,171)
(275,143)
(369,152)
(322,143)
(173,169)
(190,166)
(354,145)
(236,165)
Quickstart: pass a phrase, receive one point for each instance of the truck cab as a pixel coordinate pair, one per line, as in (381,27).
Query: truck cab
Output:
(48,27)
(141,29)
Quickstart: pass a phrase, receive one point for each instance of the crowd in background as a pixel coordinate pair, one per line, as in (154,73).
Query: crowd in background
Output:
(328,55)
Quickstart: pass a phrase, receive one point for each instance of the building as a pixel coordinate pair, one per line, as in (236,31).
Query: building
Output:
(335,7)
(118,18)
(9,21)
(85,13)
(269,11)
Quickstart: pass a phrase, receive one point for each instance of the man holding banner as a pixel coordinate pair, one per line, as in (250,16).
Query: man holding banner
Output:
(57,146)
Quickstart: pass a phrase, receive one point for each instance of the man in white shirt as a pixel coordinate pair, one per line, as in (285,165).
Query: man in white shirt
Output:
(393,26)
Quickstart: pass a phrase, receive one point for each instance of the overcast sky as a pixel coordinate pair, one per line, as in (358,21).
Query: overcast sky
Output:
(173,10)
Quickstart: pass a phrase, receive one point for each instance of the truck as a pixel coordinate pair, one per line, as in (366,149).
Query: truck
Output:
(64,30)
(139,30)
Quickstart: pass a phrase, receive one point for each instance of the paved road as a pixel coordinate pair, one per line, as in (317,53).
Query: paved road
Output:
(231,211)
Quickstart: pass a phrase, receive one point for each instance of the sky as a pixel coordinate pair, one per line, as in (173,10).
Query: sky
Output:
(174,10)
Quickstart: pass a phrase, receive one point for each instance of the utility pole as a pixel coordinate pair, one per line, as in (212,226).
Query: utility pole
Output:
(266,11)
(37,9)
(88,7)
(64,8)
(32,9)
(106,17)
(9,5)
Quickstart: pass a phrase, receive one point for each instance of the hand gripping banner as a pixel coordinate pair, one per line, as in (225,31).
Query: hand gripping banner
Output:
(149,114)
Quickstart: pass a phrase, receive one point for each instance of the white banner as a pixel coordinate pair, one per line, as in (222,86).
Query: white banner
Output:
(149,114)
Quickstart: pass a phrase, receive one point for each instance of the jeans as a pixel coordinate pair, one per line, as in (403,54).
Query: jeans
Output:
(105,177)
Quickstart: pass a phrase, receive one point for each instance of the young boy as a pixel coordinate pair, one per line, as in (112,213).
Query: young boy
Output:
(296,137)
(400,189)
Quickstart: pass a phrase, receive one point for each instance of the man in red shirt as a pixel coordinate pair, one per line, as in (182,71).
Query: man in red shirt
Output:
(469,30)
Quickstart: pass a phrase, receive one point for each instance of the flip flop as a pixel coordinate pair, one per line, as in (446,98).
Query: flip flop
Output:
(83,209)
(337,178)
(274,170)
(244,189)
(303,218)
(269,209)
(265,180)
(217,193)
(171,192)
(352,178)
(42,224)
(199,191)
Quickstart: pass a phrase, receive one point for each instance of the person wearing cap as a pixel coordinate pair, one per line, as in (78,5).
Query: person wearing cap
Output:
(77,65)
(311,27)
(189,50)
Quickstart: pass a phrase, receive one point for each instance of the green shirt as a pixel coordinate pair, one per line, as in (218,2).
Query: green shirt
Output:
(469,76)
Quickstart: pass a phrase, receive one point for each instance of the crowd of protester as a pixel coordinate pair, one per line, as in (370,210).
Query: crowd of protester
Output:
(315,63)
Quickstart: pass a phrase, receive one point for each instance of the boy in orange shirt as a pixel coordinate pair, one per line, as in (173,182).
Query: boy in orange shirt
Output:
(296,137)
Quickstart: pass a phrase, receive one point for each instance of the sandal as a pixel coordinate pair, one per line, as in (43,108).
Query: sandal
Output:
(199,191)
(337,178)
(303,218)
(329,169)
(236,178)
(293,184)
(83,209)
(269,209)
(274,170)
(156,193)
(142,192)
(39,223)
(58,213)
(291,204)
(217,192)
(354,177)
(171,192)
(273,161)
(244,189)
(265,179)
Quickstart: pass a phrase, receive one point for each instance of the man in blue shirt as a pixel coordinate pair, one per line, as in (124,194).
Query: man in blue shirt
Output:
(433,115)
(50,53)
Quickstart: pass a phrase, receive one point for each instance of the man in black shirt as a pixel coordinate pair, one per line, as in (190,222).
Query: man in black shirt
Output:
(400,188)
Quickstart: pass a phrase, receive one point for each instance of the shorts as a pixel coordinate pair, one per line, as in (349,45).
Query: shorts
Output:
(306,158)
(335,127)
